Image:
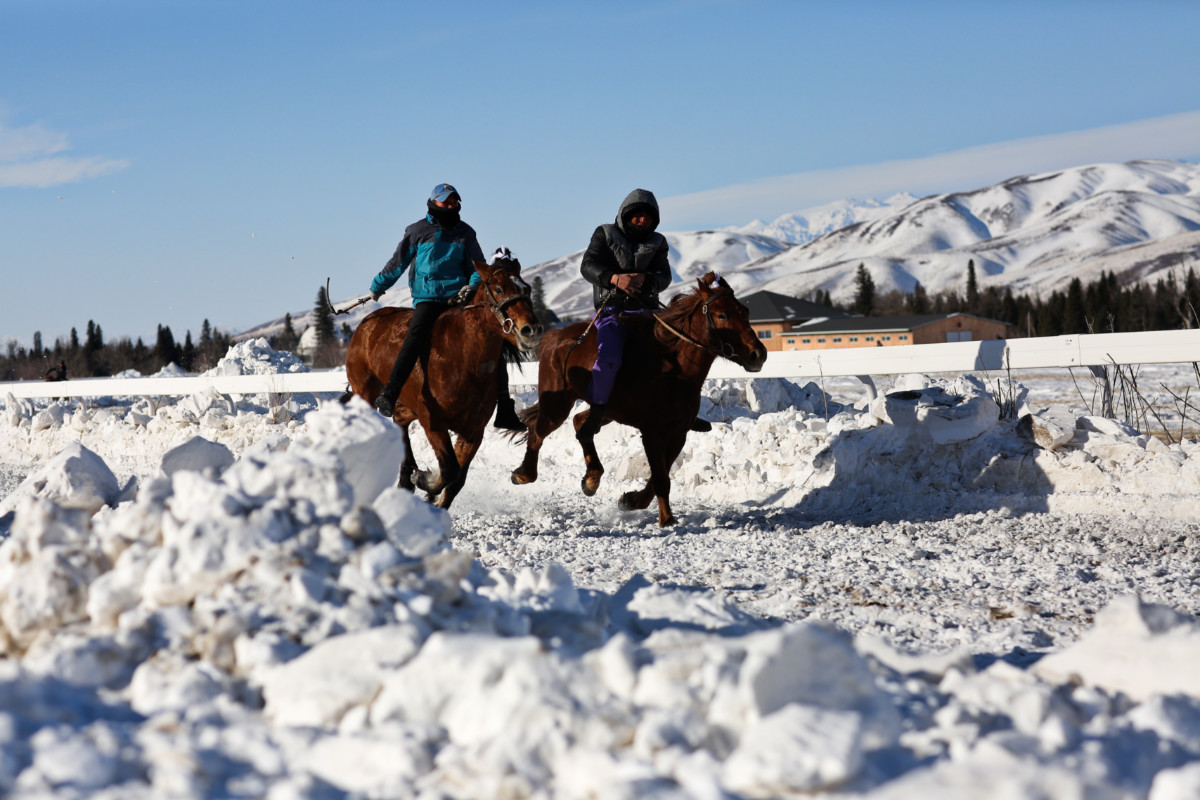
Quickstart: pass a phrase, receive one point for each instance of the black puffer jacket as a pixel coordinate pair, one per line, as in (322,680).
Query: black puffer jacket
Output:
(618,248)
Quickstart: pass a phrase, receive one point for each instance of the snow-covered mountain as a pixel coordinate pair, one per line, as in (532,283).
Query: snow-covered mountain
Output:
(1033,233)
(803,226)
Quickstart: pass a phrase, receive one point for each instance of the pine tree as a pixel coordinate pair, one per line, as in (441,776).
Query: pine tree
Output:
(918,302)
(165,349)
(864,291)
(327,352)
(323,319)
(972,289)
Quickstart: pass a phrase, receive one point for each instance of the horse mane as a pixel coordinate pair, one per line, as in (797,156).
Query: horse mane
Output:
(684,304)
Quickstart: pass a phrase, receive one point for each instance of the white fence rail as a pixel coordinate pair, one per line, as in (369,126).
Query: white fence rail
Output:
(1090,350)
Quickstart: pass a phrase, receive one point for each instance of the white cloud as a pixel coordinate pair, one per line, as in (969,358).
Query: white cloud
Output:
(30,158)
(1171,137)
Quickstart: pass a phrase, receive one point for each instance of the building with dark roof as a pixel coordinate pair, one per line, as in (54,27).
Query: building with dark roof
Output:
(772,315)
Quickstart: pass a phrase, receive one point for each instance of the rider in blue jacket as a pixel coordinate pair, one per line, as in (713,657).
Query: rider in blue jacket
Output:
(441,250)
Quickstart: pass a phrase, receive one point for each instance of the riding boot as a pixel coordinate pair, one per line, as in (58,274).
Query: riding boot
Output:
(595,419)
(385,405)
(506,415)
(700,425)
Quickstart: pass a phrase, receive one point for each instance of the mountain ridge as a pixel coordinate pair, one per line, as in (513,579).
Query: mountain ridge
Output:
(1031,233)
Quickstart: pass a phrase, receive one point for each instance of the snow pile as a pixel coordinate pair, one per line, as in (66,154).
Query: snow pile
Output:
(279,627)
(260,613)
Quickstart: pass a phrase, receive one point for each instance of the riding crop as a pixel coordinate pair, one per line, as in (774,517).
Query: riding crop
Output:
(345,310)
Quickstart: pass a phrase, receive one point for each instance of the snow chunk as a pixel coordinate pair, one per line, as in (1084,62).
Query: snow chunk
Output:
(370,447)
(1136,648)
(75,478)
(198,455)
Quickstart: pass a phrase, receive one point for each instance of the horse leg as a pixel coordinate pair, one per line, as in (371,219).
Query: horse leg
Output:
(409,465)
(548,415)
(464,453)
(591,459)
(447,465)
(661,455)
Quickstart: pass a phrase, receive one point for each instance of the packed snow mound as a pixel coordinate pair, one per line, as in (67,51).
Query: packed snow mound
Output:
(256,357)
(272,625)
(261,613)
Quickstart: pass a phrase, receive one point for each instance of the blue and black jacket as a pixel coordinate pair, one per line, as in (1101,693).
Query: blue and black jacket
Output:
(442,261)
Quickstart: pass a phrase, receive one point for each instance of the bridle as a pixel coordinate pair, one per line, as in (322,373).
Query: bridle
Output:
(499,307)
(726,350)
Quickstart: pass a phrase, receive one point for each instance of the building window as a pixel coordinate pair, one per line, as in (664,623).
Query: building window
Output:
(887,338)
(821,340)
(764,334)
(806,341)
(791,341)
(854,338)
(837,339)
(870,338)
(903,337)
(958,336)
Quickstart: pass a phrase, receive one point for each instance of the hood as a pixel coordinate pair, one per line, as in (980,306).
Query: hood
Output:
(638,197)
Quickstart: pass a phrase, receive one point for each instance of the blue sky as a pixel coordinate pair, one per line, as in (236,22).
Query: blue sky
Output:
(170,162)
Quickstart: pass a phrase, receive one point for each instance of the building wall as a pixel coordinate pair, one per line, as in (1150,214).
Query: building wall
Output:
(771,334)
(977,327)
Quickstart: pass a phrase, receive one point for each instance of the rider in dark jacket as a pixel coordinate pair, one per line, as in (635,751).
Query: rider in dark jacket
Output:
(441,250)
(626,263)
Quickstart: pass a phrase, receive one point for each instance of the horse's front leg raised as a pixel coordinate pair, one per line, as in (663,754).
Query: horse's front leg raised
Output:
(541,420)
(448,466)
(594,470)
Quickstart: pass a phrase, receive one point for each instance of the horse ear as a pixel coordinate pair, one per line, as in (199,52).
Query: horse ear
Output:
(706,281)
(483,268)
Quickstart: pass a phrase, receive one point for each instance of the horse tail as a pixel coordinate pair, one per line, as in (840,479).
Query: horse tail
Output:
(529,418)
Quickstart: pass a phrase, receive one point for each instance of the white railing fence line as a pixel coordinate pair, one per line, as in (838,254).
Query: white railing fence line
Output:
(999,355)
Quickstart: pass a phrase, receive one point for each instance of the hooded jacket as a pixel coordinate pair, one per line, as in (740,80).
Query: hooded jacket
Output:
(442,260)
(618,248)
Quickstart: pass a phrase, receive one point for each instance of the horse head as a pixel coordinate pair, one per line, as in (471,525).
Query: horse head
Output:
(509,297)
(729,323)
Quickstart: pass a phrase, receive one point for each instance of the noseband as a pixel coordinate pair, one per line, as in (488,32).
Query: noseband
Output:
(726,350)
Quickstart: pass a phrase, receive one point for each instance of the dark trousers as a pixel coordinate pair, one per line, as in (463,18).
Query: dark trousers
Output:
(611,334)
(416,345)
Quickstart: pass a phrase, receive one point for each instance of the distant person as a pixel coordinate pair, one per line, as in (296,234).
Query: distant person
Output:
(442,251)
(58,373)
(626,263)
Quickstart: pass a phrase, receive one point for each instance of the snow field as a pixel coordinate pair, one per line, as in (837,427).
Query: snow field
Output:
(896,598)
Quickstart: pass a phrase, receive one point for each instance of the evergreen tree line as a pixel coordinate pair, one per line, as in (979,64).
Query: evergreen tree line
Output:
(1100,306)
(93,357)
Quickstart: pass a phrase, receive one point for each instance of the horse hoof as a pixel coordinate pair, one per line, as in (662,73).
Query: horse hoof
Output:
(668,521)
(521,478)
(633,501)
(590,484)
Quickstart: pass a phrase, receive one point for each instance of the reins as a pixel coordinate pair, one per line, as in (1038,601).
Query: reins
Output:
(725,352)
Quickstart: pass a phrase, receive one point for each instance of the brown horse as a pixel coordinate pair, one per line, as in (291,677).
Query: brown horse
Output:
(666,361)
(454,387)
